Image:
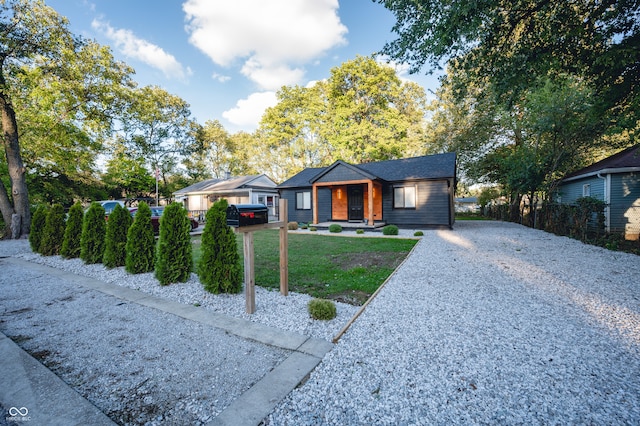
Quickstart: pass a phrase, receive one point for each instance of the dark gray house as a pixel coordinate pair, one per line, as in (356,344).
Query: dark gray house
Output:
(411,192)
(614,180)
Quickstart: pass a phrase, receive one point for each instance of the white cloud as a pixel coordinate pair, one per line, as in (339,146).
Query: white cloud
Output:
(273,38)
(220,78)
(248,112)
(137,48)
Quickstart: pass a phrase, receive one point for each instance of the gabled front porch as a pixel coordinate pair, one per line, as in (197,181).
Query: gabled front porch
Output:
(358,202)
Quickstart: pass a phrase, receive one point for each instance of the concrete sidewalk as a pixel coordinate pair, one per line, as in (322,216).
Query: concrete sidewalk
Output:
(27,384)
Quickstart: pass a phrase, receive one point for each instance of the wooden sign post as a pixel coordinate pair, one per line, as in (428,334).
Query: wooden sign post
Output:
(249,263)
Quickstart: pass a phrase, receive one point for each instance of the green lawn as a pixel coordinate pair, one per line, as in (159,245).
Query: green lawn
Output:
(347,269)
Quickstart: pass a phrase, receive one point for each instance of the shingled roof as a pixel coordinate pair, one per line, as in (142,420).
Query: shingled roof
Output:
(623,161)
(436,166)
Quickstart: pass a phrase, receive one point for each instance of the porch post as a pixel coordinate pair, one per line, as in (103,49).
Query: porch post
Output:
(314,205)
(370,212)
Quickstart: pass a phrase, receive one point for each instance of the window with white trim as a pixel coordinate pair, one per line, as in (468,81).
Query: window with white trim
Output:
(586,190)
(303,200)
(404,197)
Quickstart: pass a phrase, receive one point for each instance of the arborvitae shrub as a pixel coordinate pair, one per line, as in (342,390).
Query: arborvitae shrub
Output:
(115,248)
(94,228)
(141,243)
(390,230)
(72,233)
(322,309)
(173,255)
(219,266)
(334,227)
(38,221)
(53,232)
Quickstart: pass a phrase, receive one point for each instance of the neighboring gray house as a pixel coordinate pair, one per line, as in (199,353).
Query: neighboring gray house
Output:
(614,180)
(255,189)
(410,192)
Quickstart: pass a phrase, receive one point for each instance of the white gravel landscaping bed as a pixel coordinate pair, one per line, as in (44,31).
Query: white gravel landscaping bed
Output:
(492,323)
(489,323)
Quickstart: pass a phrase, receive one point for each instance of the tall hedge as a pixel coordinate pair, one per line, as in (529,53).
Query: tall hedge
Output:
(115,245)
(73,231)
(38,221)
(173,255)
(219,266)
(93,234)
(141,243)
(53,232)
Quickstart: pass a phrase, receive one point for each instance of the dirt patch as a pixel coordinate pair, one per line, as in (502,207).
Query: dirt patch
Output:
(351,297)
(348,261)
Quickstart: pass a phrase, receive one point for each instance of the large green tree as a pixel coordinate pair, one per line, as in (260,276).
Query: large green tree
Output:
(363,112)
(370,112)
(157,127)
(28,30)
(513,43)
(58,97)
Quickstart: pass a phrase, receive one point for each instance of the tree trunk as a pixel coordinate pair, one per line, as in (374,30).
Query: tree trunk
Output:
(7,210)
(19,191)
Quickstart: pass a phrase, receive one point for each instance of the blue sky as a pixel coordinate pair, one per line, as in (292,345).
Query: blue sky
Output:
(228,58)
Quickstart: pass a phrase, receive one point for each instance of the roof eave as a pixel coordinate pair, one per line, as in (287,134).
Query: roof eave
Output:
(603,172)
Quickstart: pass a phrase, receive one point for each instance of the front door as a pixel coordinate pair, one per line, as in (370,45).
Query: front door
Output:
(355,197)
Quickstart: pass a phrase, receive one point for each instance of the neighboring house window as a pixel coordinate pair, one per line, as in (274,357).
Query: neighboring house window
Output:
(303,200)
(586,190)
(404,197)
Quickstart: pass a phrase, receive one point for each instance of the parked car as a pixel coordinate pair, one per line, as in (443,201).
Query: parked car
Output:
(156,213)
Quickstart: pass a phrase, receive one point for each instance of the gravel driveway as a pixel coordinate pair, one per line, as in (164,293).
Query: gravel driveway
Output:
(491,323)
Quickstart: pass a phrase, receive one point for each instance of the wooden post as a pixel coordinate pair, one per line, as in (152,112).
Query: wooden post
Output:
(284,248)
(249,273)
(249,263)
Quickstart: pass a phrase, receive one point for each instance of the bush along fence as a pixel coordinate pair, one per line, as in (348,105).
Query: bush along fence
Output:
(583,220)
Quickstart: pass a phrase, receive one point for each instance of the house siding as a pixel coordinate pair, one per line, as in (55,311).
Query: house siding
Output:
(433,204)
(324,205)
(571,191)
(294,215)
(625,204)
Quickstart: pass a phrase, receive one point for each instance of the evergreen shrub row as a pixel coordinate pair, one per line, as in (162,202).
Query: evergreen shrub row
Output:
(123,241)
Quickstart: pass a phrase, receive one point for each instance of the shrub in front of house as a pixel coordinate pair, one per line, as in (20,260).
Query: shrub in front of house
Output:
(219,265)
(53,232)
(322,309)
(174,260)
(141,243)
(38,221)
(418,234)
(115,249)
(359,231)
(94,228)
(292,226)
(335,228)
(304,226)
(390,230)
(73,231)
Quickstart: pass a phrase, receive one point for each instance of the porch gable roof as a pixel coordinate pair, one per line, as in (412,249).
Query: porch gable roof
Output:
(349,169)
